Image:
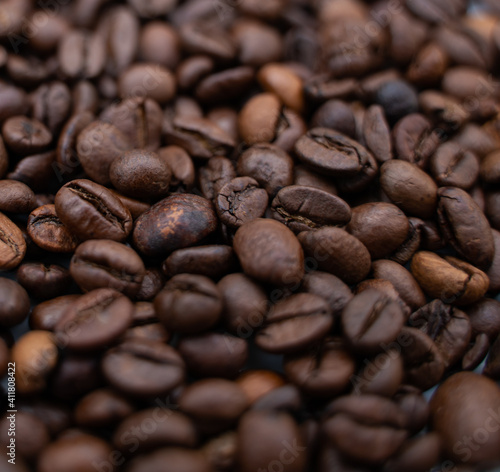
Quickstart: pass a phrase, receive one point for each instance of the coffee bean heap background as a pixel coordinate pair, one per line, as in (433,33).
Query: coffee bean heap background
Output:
(247,235)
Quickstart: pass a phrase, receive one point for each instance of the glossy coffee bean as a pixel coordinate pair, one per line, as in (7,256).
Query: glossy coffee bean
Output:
(189,304)
(173,223)
(47,314)
(12,244)
(157,368)
(25,136)
(44,281)
(16,197)
(91,211)
(15,305)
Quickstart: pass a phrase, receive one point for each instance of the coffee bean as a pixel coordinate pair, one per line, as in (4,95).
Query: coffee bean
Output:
(52,105)
(181,166)
(15,305)
(376,133)
(239,201)
(104,263)
(295,323)
(95,320)
(159,43)
(25,136)
(37,171)
(226,85)
(157,368)
(451,408)
(47,314)
(203,38)
(454,167)
(12,244)
(259,118)
(178,458)
(398,99)
(173,223)
(335,114)
(44,281)
(335,251)
(91,211)
(303,208)
(48,231)
(269,252)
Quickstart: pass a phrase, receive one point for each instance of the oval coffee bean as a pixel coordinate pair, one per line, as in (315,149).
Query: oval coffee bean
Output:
(173,223)
(12,244)
(91,211)
(295,323)
(47,314)
(15,304)
(16,197)
(25,136)
(100,263)
(44,281)
(304,208)
(268,251)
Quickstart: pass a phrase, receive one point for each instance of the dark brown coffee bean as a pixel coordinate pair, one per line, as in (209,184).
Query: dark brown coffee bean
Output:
(84,97)
(211,261)
(171,428)
(79,452)
(52,105)
(484,317)
(14,101)
(24,135)
(214,404)
(268,251)
(409,187)
(331,152)
(173,223)
(98,145)
(445,111)
(217,172)
(91,211)
(139,119)
(398,99)
(428,66)
(463,405)
(179,459)
(101,263)
(226,85)
(95,320)
(465,226)
(376,133)
(452,166)
(295,323)
(16,197)
(449,279)
(304,208)
(203,38)
(47,314)
(244,304)
(228,354)
(38,171)
(102,408)
(192,70)
(447,326)
(366,428)
(239,201)
(335,114)
(181,165)
(12,244)
(15,303)
(81,54)
(256,161)
(159,44)
(44,281)
(48,232)
(370,320)
(189,304)
(258,120)
(157,368)
(323,371)
(336,251)
(154,332)
(275,429)
(386,288)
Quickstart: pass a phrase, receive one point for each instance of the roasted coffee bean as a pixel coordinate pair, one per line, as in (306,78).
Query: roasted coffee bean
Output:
(104,263)
(465,226)
(102,408)
(52,105)
(205,38)
(295,323)
(79,452)
(449,279)
(322,371)
(47,314)
(94,320)
(462,406)
(38,171)
(15,305)
(214,175)
(140,174)
(181,166)
(16,197)
(172,428)
(268,251)
(226,85)
(447,326)
(371,320)
(269,165)
(173,223)
(367,428)
(304,208)
(336,251)
(239,201)
(44,281)
(159,43)
(274,429)
(377,134)
(228,354)
(214,404)
(398,99)
(12,244)
(331,152)
(337,115)
(484,317)
(48,231)
(91,211)
(454,167)
(157,368)
(35,355)
(97,146)
(81,55)
(25,136)
(386,288)
(305,177)
(446,112)
(211,261)
(189,304)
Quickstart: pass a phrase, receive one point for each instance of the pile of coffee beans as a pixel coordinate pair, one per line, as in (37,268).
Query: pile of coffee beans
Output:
(249,235)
